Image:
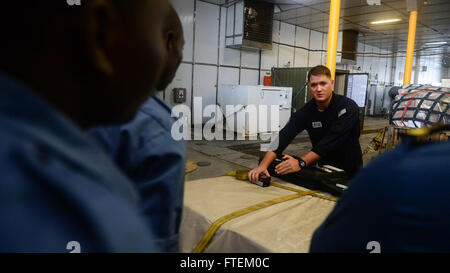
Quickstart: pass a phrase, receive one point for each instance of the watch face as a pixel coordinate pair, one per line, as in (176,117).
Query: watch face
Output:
(302,164)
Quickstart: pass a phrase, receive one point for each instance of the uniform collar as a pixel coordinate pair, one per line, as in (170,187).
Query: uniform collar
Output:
(333,100)
(330,105)
(149,104)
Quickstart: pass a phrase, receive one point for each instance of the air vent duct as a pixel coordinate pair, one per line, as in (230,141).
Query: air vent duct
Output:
(446,61)
(249,25)
(349,46)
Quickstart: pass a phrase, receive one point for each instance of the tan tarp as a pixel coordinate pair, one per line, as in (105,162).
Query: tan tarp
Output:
(285,227)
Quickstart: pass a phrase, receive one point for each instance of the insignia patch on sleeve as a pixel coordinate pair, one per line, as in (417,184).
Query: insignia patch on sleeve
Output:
(342,112)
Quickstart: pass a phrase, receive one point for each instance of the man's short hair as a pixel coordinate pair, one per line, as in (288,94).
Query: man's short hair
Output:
(319,70)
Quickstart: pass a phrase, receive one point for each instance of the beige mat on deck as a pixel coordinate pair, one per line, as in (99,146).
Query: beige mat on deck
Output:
(285,227)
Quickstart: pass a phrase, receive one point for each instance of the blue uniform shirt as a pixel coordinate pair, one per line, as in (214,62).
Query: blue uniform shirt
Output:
(145,150)
(57,186)
(401,201)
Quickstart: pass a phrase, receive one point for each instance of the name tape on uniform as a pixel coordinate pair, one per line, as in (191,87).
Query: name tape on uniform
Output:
(317,124)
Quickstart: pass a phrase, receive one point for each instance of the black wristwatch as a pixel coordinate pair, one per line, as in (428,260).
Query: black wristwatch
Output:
(301,163)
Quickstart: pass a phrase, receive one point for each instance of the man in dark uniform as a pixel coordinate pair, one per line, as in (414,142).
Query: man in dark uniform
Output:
(399,203)
(332,122)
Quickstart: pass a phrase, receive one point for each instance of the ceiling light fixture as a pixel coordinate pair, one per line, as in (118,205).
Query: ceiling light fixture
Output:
(385,21)
(436,43)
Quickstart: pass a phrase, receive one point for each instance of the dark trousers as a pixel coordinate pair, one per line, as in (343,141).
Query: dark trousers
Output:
(313,178)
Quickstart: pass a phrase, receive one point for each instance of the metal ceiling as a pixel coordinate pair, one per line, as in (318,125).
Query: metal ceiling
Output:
(433,21)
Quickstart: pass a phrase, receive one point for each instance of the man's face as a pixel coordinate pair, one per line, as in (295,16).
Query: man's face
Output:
(321,87)
(174,58)
(175,61)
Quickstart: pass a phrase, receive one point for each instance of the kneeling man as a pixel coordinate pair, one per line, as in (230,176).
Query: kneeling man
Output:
(332,122)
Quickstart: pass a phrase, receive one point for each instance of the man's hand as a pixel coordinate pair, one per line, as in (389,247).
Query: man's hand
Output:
(289,165)
(253,175)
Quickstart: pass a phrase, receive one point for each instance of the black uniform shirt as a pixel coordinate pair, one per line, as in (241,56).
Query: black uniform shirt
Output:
(334,133)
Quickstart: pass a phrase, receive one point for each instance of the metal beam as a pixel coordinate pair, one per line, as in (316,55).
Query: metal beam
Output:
(333,34)
(410,48)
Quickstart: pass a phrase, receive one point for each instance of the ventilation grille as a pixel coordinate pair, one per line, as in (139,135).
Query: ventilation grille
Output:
(258,21)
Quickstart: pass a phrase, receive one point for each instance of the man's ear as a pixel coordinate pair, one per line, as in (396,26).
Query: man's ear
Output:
(170,41)
(100,22)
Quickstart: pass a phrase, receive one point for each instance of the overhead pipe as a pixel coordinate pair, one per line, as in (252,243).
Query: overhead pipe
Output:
(333,34)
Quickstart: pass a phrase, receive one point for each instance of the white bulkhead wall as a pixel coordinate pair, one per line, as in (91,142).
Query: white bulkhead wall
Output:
(207,62)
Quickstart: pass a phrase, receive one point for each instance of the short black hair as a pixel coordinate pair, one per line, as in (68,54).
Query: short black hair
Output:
(319,70)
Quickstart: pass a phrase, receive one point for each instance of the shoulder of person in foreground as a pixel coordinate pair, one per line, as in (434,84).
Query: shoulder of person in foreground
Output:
(400,201)
(145,150)
(51,195)
(148,133)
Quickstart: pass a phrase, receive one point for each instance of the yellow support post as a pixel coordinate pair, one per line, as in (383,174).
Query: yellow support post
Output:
(410,48)
(333,33)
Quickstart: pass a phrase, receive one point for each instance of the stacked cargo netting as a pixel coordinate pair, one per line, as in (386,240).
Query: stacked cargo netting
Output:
(413,106)
(418,106)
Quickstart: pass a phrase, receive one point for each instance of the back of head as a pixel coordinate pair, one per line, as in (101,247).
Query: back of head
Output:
(96,62)
(22,26)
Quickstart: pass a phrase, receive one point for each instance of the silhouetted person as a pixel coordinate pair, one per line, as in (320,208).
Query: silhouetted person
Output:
(145,150)
(63,68)
(398,203)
